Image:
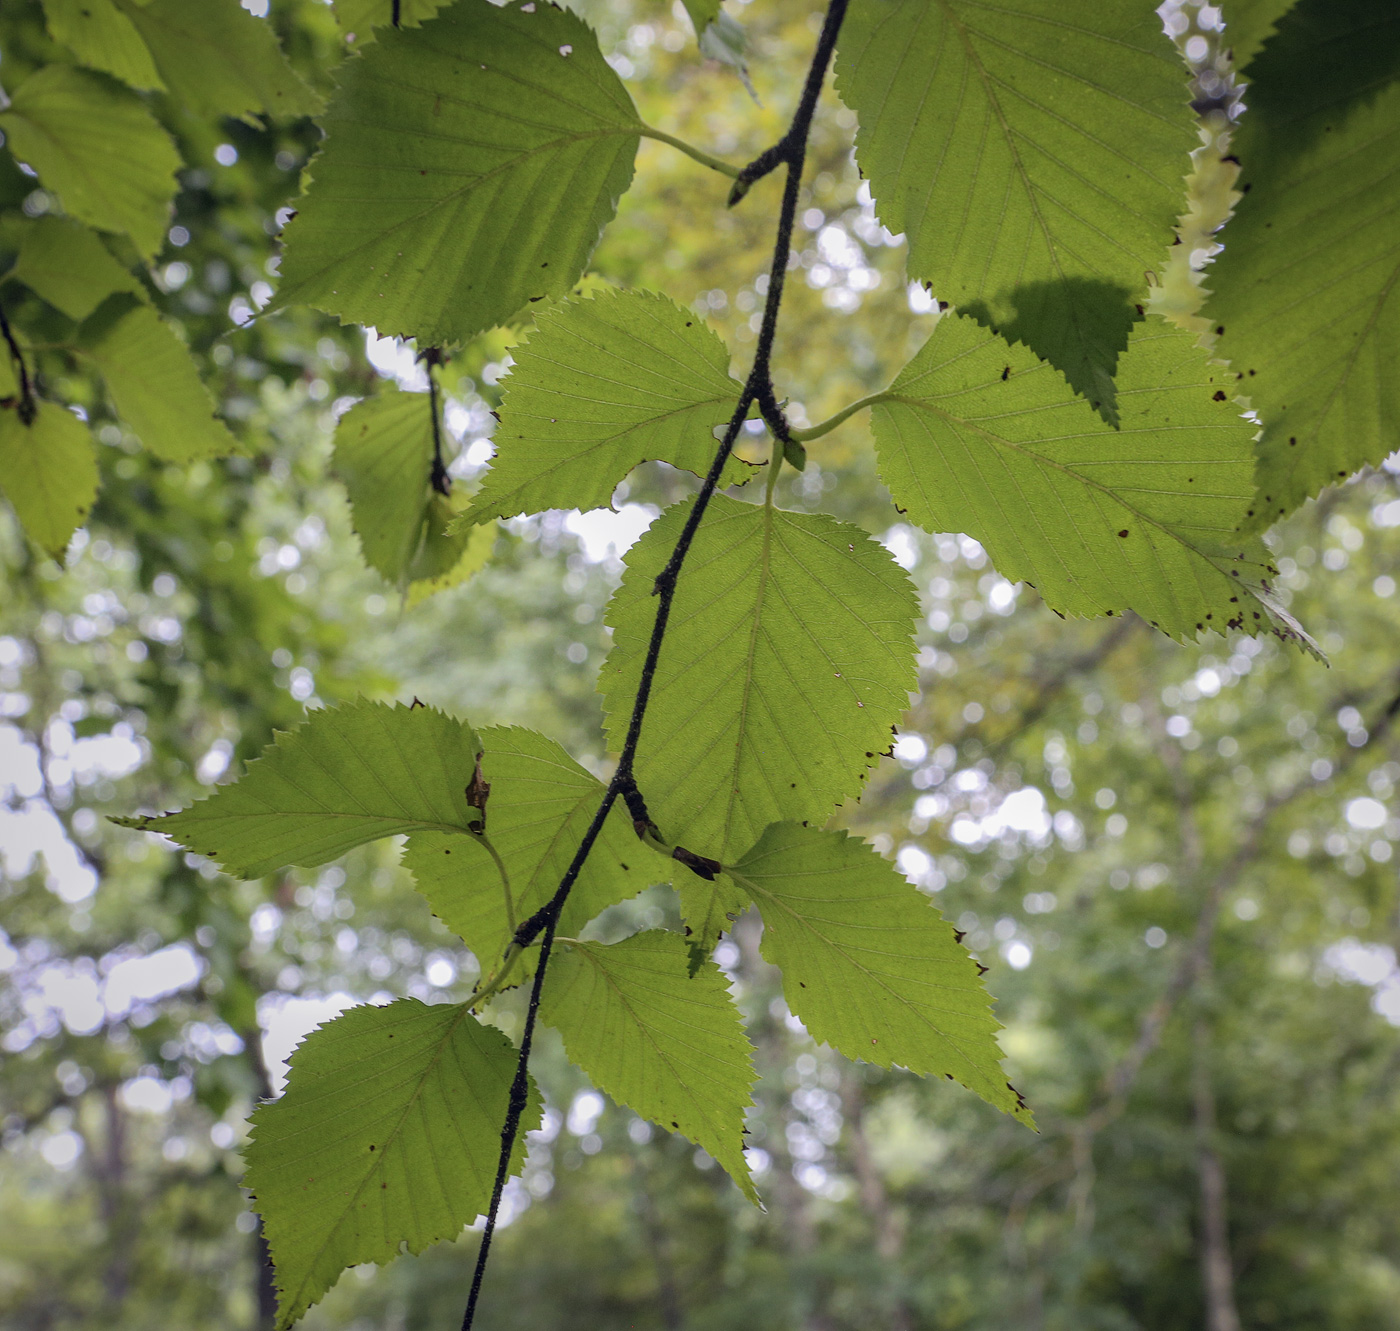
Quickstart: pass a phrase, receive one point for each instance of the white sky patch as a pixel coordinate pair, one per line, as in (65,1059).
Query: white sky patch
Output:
(286,1022)
(33,830)
(1023,812)
(1371,964)
(396,360)
(603,533)
(146,979)
(902,544)
(1366,814)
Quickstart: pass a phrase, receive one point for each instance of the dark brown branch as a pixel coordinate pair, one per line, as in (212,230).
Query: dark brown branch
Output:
(28,405)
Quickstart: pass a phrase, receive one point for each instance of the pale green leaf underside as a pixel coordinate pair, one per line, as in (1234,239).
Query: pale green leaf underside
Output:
(104,38)
(669,1046)
(69,266)
(1033,151)
(384,455)
(218,59)
(1308,288)
(868,964)
(349,775)
(469,167)
(388,1134)
(154,385)
(541,803)
(98,148)
(602,386)
(788,657)
(981,437)
(48,472)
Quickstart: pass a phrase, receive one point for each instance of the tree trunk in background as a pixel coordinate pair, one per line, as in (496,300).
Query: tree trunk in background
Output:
(121,1230)
(658,1244)
(1217,1271)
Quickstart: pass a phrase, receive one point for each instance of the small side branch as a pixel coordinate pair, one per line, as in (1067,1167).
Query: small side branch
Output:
(437,476)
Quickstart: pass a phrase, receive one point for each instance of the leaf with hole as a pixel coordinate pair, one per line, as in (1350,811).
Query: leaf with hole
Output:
(978,436)
(1307,292)
(602,386)
(469,167)
(1033,153)
(349,775)
(387,1137)
(95,144)
(869,964)
(669,1046)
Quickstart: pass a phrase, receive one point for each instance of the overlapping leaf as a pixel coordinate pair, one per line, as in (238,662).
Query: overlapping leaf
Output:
(98,148)
(384,454)
(103,37)
(1033,152)
(602,386)
(667,1045)
(69,266)
(388,1136)
(468,169)
(154,384)
(48,473)
(349,775)
(359,18)
(218,59)
(541,803)
(1307,292)
(787,659)
(978,436)
(868,964)
(1249,24)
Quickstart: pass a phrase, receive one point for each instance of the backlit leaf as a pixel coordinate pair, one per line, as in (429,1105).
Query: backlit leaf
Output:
(601,386)
(869,964)
(69,266)
(388,1134)
(1307,292)
(48,473)
(349,775)
(218,59)
(1249,24)
(437,209)
(359,18)
(98,148)
(154,384)
(981,437)
(472,550)
(787,659)
(669,1046)
(102,37)
(541,803)
(1033,153)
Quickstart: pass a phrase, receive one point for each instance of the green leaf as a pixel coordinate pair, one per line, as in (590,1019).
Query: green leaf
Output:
(48,473)
(702,14)
(436,208)
(981,437)
(98,148)
(471,550)
(602,386)
(1033,152)
(787,659)
(388,1134)
(670,1047)
(218,59)
(541,803)
(69,266)
(349,775)
(1308,289)
(9,375)
(104,38)
(1249,24)
(359,18)
(154,384)
(384,455)
(869,965)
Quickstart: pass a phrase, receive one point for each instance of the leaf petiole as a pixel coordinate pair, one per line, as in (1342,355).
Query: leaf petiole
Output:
(690,150)
(827,426)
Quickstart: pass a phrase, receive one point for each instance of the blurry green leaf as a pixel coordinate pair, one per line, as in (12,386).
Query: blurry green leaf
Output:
(981,437)
(359,18)
(1249,24)
(349,775)
(388,1134)
(1307,292)
(9,376)
(48,473)
(69,266)
(668,1046)
(541,802)
(95,144)
(436,208)
(218,59)
(602,386)
(788,658)
(104,38)
(868,964)
(1033,152)
(154,384)
(702,14)
(470,551)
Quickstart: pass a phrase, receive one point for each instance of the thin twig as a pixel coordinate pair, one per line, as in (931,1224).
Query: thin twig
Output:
(28,405)
(791,150)
(437,476)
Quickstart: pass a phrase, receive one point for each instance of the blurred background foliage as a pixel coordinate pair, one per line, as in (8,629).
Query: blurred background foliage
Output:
(1178,863)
